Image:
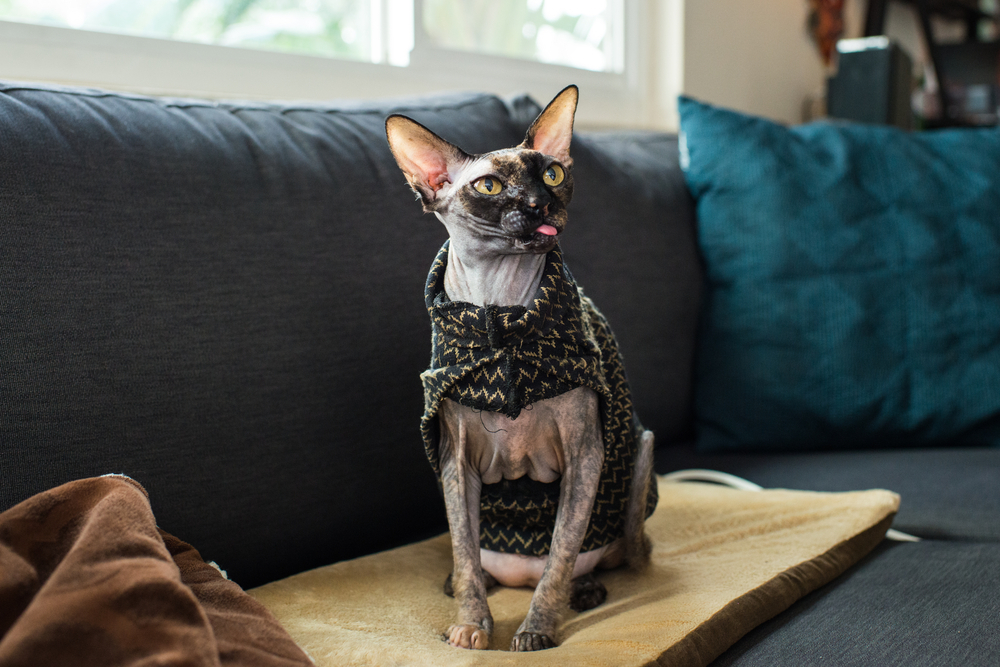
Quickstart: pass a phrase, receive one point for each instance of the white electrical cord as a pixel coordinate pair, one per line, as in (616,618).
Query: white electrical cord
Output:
(734,482)
(723,478)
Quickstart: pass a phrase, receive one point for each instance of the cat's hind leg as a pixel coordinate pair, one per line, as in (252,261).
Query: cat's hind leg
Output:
(637,544)
(587,592)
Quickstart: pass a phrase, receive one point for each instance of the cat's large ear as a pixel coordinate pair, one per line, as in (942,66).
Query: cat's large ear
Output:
(428,161)
(552,131)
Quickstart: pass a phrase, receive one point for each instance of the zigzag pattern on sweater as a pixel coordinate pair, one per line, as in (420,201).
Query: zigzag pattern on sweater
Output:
(503,359)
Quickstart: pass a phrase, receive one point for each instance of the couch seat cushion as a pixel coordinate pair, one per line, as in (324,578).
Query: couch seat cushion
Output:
(929,603)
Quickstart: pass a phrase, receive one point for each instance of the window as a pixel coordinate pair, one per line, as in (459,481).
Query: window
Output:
(330,49)
(576,33)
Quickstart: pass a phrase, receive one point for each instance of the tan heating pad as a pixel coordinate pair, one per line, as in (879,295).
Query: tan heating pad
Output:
(723,562)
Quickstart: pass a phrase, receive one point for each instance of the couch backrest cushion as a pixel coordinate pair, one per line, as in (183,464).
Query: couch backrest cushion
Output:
(853,283)
(631,245)
(224,301)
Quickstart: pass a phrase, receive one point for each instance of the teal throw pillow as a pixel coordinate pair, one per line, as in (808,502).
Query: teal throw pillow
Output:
(853,283)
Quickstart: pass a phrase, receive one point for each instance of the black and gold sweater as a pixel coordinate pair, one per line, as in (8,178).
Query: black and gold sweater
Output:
(503,359)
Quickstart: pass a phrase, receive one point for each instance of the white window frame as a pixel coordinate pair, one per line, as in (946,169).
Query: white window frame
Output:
(167,67)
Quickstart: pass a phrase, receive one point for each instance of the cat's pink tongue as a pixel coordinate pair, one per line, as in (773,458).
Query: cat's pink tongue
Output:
(548,230)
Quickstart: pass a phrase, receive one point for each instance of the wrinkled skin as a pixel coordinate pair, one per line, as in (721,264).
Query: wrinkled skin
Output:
(504,211)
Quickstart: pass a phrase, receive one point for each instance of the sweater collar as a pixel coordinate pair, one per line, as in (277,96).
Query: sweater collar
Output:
(499,324)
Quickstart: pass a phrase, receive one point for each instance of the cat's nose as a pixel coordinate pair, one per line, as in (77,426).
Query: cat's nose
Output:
(536,202)
(540,208)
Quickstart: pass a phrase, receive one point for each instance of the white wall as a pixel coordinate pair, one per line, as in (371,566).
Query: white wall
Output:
(664,54)
(751,55)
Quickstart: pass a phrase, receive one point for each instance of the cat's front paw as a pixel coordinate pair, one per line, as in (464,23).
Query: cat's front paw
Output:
(531,641)
(467,636)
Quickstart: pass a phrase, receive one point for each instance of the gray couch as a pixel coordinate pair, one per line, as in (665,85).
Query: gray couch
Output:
(224,301)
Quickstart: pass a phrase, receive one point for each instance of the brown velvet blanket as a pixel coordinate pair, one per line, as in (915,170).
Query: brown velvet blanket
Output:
(87,578)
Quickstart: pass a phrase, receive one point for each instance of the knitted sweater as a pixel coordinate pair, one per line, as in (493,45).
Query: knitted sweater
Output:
(503,359)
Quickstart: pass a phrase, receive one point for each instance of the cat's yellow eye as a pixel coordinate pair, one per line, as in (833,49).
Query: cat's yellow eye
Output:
(488,185)
(554,175)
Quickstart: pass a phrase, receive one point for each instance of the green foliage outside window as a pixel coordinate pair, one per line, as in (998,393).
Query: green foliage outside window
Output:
(338,28)
(578,33)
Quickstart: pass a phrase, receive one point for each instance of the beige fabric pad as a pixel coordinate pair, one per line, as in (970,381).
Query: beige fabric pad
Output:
(723,562)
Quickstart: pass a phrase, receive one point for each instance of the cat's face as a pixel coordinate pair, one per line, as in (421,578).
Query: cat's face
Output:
(510,201)
(514,199)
